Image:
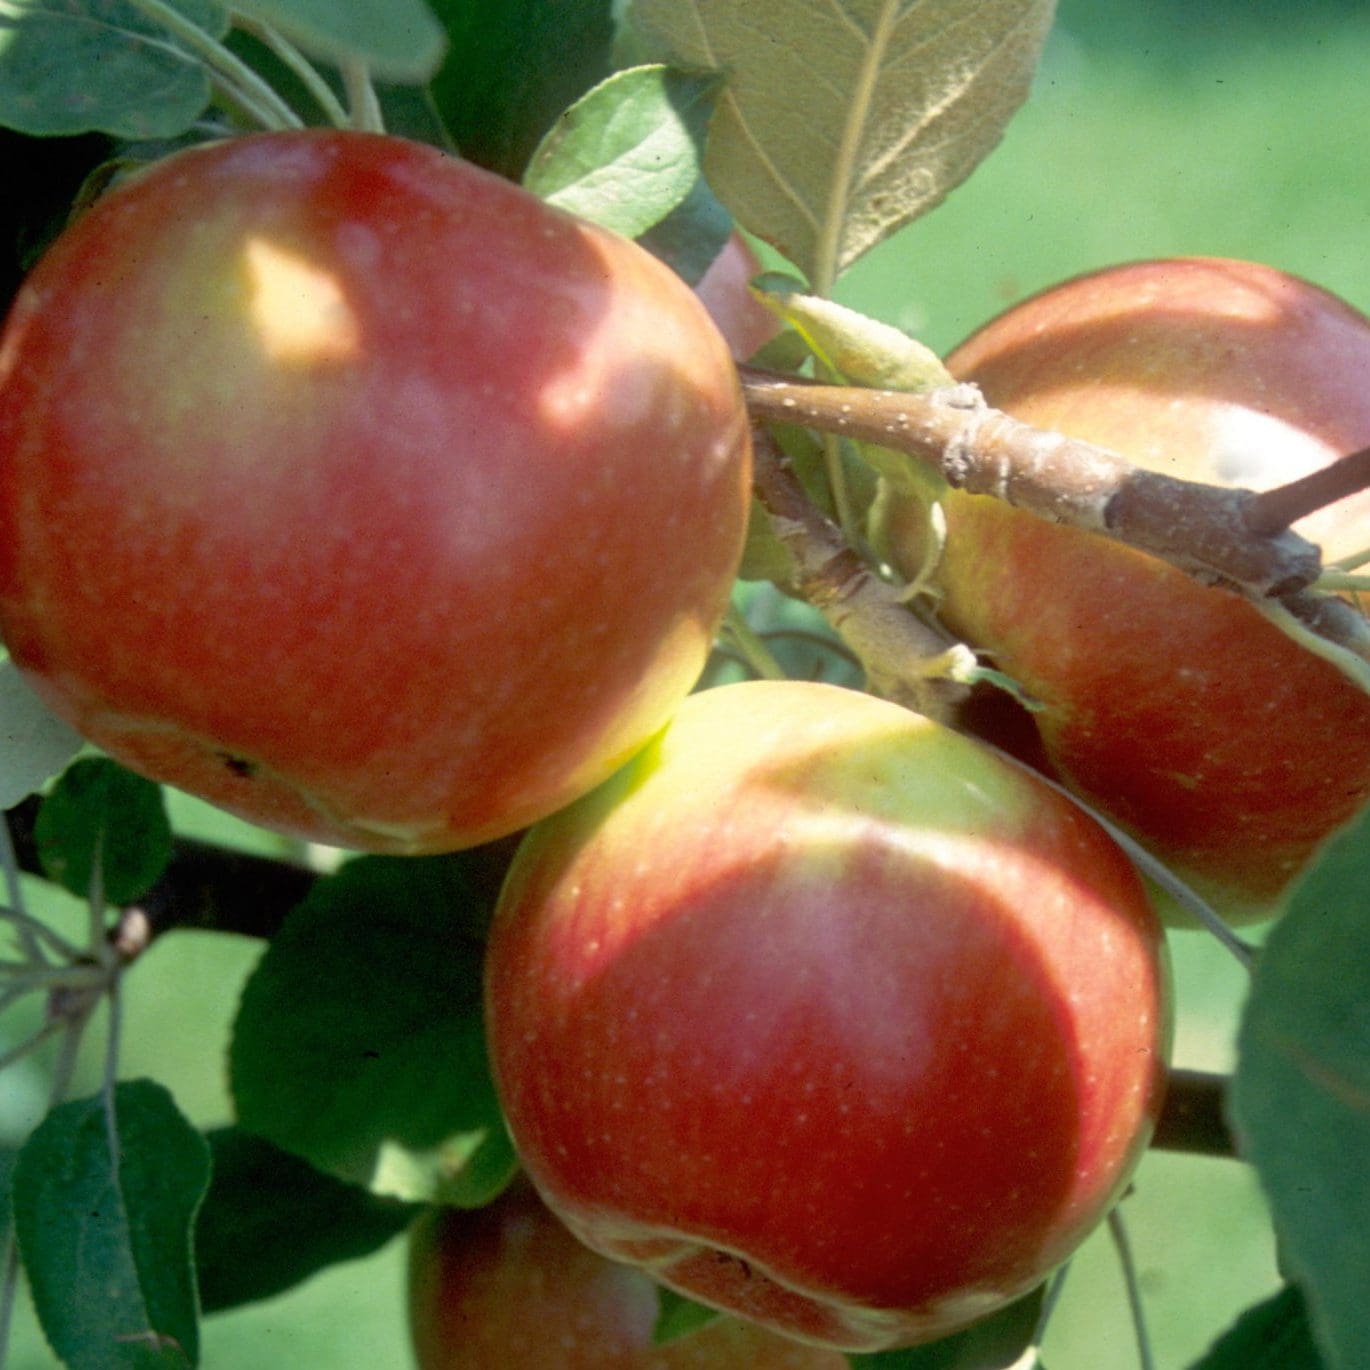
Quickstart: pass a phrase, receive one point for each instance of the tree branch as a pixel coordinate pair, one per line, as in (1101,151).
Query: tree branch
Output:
(1192,1118)
(1205,530)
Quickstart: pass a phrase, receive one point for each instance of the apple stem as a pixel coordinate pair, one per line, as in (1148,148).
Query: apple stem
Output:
(1272,511)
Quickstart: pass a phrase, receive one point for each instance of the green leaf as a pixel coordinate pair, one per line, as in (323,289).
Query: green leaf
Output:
(359,1043)
(627,153)
(77,66)
(36,744)
(678,1316)
(843,121)
(994,1343)
(99,807)
(271,1220)
(399,40)
(1301,1096)
(512,66)
(1273,1335)
(105,1232)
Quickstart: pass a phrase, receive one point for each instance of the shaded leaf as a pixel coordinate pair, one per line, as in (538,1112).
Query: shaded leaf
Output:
(399,40)
(359,1043)
(628,152)
(271,1220)
(994,1343)
(692,235)
(844,120)
(1273,1335)
(512,66)
(100,810)
(34,743)
(77,66)
(678,1316)
(105,1233)
(1301,1096)
(99,807)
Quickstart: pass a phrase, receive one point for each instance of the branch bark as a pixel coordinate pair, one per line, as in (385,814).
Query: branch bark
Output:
(1233,537)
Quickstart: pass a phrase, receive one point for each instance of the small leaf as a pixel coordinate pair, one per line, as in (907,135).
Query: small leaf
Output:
(845,120)
(994,1343)
(1301,1096)
(98,806)
(77,66)
(678,1316)
(512,66)
(105,1233)
(271,1220)
(1273,1335)
(627,153)
(35,743)
(399,40)
(859,349)
(359,1044)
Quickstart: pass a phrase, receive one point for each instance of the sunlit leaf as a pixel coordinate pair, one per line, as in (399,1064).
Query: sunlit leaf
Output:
(34,743)
(628,152)
(844,120)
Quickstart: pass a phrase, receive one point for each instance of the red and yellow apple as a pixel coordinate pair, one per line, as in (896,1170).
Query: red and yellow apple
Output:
(1175,708)
(828,1016)
(360,492)
(507,1287)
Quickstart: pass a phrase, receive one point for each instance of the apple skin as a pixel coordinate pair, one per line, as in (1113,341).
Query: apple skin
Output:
(725,291)
(1177,710)
(828,1016)
(359,492)
(509,1286)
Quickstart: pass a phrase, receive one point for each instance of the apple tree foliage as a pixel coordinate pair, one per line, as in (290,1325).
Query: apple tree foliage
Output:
(358,1065)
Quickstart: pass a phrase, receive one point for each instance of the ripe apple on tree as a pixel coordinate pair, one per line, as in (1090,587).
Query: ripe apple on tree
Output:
(827,1015)
(360,492)
(1177,709)
(508,1286)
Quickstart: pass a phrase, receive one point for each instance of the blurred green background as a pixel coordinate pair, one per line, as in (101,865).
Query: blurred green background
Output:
(1157,127)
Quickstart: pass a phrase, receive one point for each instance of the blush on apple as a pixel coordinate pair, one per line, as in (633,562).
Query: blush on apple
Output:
(828,1016)
(359,491)
(1177,709)
(509,1286)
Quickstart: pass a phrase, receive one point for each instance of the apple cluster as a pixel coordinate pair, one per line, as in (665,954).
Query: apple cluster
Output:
(363,494)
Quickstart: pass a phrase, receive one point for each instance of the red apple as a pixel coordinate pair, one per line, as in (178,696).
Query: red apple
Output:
(724,288)
(359,491)
(827,1015)
(1177,709)
(509,1286)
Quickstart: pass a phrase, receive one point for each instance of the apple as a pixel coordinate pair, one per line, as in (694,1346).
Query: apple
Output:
(725,289)
(508,1285)
(1175,708)
(360,492)
(827,1015)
